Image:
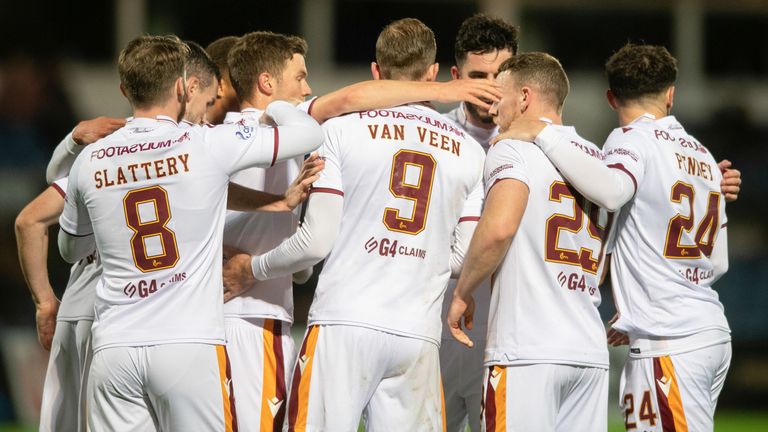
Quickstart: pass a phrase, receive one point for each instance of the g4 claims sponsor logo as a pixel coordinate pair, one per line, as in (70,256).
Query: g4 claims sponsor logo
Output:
(392,248)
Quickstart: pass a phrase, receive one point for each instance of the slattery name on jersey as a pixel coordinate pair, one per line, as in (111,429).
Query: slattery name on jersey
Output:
(135,172)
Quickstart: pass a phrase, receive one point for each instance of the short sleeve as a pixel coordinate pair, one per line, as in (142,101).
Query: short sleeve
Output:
(240,145)
(473,205)
(307,105)
(330,178)
(624,151)
(504,161)
(74,219)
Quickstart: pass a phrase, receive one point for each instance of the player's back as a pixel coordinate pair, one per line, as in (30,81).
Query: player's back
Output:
(545,292)
(407,176)
(661,269)
(155,195)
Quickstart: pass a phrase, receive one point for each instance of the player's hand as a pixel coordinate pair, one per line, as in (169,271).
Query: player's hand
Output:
(45,318)
(237,274)
(522,129)
(615,337)
(479,92)
(89,131)
(461,308)
(298,191)
(731,184)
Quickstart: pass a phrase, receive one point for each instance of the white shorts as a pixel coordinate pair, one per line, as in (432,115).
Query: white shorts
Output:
(462,370)
(344,372)
(64,391)
(545,397)
(676,392)
(261,352)
(169,387)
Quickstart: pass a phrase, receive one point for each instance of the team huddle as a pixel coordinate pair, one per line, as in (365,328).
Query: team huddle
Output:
(463,251)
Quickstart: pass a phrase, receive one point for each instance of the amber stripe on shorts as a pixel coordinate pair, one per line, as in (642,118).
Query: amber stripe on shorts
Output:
(495,400)
(227,389)
(668,396)
(442,405)
(273,393)
(302,375)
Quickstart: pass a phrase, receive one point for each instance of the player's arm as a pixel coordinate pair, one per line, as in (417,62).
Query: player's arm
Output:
(32,225)
(731,184)
(609,186)
(311,243)
(86,132)
(236,147)
(76,239)
(242,198)
(462,236)
(504,208)
(719,255)
(376,94)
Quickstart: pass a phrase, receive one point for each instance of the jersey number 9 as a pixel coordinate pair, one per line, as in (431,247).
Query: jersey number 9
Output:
(419,192)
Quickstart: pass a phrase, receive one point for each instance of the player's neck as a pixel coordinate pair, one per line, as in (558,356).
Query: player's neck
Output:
(537,113)
(629,112)
(169,109)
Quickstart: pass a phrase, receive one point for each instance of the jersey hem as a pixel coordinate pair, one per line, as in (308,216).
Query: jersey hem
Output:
(374,327)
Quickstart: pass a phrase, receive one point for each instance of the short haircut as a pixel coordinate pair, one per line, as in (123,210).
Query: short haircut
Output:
(259,52)
(405,49)
(149,66)
(219,51)
(542,71)
(637,70)
(481,34)
(199,64)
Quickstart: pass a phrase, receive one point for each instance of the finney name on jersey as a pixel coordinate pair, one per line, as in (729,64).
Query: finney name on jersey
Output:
(145,170)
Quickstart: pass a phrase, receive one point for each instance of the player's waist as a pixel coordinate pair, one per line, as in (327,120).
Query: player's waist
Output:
(654,346)
(429,337)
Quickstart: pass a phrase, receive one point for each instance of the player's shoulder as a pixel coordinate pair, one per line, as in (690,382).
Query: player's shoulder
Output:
(511,148)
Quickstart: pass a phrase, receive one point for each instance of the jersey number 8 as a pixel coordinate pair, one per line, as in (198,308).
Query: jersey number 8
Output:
(144,230)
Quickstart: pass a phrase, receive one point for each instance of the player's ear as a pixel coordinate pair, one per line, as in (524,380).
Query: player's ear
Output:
(612,101)
(193,85)
(181,90)
(264,83)
(670,98)
(525,98)
(375,71)
(122,90)
(432,72)
(455,72)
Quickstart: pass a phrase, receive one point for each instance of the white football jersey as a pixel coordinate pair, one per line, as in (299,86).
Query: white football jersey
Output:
(154,194)
(408,175)
(545,291)
(660,271)
(79,296)
(259,232)
(482,294)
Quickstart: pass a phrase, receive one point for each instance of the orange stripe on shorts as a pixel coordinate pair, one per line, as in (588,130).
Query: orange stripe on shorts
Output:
(301,381)
(269,380)
(673,398)
(225,377)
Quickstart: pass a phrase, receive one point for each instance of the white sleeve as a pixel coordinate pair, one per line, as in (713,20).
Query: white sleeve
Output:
(238,146)
(76,239)
(608,186)
(462,236)
(719,255)
(504,161)
(63,157)
(311,243)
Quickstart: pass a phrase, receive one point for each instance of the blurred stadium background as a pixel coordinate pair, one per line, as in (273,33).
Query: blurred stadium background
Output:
(57,67)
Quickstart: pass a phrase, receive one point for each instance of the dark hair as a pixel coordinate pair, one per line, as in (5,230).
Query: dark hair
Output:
(219,51)
(149,66)
(405,49)
(483,34)
(199,64)
(259,52)
(637,70)
(542,71)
